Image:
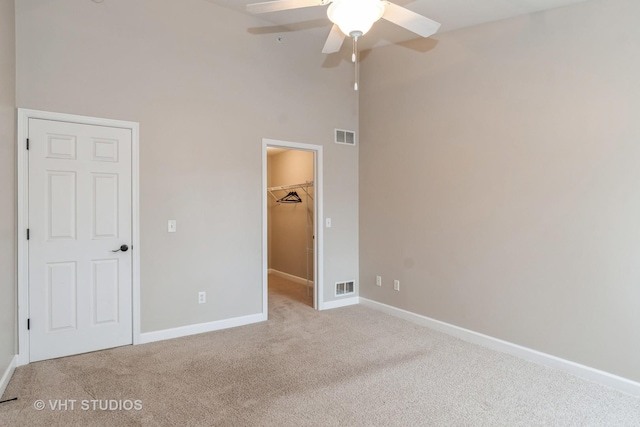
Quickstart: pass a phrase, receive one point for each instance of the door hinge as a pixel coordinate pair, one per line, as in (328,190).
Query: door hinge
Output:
(28,234)
(27,143)
(28,324)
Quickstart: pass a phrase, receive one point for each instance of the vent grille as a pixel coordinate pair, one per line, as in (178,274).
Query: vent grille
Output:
(344,288)
(345,137)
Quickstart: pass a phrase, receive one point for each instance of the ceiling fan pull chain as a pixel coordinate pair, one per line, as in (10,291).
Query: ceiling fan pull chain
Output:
(353,55)
(355,58)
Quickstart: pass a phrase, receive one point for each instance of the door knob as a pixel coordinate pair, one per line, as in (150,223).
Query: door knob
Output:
(123,248)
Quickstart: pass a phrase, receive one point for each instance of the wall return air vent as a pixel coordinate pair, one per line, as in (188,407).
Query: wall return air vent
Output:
(346,137)
(344,288)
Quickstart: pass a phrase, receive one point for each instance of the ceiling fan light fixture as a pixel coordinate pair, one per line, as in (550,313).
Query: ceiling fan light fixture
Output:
(355,16)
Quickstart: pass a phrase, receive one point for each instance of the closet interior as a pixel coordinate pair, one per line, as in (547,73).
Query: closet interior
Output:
(290,222)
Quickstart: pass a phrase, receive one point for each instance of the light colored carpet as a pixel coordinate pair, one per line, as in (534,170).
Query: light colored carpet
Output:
(346,367)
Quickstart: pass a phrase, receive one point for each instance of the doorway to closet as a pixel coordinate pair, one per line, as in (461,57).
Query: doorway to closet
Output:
(291,211)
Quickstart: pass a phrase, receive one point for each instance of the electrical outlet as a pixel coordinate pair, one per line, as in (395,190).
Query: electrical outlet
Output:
(378,281)
(202,297)
(396,285)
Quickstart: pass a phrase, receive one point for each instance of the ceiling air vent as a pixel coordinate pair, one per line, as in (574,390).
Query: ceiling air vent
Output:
(344,288)
(345,137)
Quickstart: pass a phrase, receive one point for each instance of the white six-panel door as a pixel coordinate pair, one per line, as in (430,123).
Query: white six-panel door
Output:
(80,291)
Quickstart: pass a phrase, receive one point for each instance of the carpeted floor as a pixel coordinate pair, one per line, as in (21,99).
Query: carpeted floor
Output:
(346,367)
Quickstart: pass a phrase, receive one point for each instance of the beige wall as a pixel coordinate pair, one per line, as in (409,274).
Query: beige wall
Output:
(291,224)
(500,181)
(7,186)
(205,90)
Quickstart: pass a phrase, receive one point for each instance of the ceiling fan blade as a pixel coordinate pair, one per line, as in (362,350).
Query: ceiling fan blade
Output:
(412,21)
(334,41)
(276,6)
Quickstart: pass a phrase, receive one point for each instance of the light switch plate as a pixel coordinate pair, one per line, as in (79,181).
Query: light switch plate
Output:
(328,222)
(171,226)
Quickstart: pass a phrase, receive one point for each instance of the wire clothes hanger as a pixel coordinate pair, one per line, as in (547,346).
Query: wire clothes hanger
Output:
(292,197)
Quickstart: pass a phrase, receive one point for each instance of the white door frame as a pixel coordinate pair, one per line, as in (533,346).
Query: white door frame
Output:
(318,249)
(23,217)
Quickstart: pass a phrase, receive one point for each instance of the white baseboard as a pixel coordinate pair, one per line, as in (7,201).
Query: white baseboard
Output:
(200,328)
(291,277)
(344,302)
(592,374)
(8,373)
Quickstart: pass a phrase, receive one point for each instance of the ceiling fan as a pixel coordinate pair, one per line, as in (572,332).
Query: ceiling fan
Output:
(354,18)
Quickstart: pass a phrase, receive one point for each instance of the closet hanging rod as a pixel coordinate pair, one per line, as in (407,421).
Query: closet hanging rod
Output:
(303,187)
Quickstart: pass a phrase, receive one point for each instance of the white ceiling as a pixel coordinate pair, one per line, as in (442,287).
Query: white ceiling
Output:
(452,14)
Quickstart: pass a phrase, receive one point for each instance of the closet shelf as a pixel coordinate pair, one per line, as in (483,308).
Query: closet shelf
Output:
(292,187)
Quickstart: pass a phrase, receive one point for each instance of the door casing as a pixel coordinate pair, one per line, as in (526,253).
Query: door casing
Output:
(23,217)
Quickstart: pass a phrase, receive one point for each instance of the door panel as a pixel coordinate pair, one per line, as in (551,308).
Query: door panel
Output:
(61,205)
(105,290)
(62,295)
(79,212)
(105,206)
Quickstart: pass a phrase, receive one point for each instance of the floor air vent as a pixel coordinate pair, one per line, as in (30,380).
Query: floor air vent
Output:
(344,288)
(345,137)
